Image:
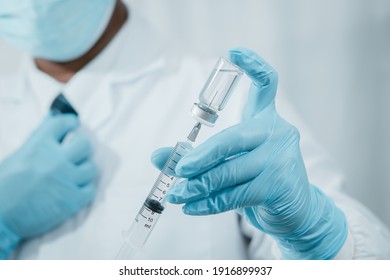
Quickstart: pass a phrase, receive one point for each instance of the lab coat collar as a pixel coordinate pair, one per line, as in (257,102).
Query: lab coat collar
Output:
(39,84)
(134,52)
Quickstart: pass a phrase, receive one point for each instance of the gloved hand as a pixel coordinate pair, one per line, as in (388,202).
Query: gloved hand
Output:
(256,167)
(45,182)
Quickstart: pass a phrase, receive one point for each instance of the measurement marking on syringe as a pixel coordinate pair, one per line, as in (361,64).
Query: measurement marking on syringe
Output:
(153,206)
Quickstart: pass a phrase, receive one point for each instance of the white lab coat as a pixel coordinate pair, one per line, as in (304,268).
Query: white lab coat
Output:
(133,98)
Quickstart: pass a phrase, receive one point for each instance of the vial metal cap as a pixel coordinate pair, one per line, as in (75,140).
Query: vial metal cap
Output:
(204,116)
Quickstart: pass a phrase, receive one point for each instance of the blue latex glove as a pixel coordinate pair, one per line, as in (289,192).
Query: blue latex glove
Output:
(45,182)
(256,167)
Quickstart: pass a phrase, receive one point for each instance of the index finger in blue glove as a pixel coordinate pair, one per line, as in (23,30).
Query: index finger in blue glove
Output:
(160,156)
(264,77)
(255,192)
(58,126)
(230,173)
(232,141)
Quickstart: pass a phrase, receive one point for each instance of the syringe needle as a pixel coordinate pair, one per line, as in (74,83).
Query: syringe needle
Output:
(212,99)
(194,132)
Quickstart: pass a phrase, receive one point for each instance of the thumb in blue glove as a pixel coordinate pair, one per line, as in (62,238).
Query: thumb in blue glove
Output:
(256,167)
(46,181)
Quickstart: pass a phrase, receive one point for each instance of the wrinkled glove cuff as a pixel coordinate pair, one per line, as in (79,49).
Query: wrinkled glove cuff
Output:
(324,238)
(8,241)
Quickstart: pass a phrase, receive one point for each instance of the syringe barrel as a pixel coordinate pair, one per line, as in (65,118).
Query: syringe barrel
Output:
(212,99)
(153,206)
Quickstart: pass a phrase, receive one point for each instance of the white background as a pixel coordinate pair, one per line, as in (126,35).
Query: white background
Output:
(97,270)
(333,57)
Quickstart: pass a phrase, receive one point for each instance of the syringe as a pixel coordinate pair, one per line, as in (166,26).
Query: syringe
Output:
(153,206)
(213,98)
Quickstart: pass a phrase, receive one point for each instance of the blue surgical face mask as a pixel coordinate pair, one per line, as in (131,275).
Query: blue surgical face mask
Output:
(57,30)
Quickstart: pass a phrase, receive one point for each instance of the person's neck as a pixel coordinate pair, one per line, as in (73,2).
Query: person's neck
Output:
(64,71)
